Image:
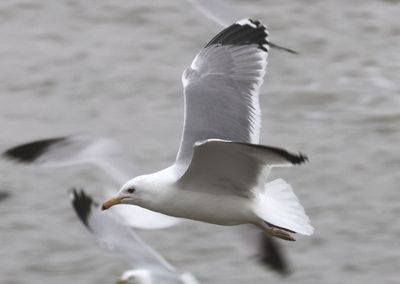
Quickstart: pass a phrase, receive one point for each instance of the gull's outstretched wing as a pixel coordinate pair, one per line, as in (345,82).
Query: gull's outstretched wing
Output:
(222,85)
(224,14)
(102,153)
(122,239)
(234,167)
(239,169)
(75,150)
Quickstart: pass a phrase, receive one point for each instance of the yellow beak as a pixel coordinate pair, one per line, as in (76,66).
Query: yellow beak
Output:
(120,282)
(111,202)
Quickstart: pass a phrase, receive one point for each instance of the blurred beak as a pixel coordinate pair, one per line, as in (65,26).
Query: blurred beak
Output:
(111,202)
(120,282)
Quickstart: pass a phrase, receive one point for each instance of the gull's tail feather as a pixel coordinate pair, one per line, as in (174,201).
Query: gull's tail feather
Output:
(279,207)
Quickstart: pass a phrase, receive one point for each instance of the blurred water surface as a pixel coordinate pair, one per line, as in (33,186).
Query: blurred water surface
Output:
(112,68)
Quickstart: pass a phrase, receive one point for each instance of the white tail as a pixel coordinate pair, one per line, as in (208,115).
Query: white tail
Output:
(279,206)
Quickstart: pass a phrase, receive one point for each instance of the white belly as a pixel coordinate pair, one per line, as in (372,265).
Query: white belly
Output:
(206,207)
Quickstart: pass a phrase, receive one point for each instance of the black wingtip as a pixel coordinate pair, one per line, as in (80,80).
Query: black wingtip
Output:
(272,256)
(30,152)
(243,32)
(279,47)
(299,159)
(82,204)
(295,159)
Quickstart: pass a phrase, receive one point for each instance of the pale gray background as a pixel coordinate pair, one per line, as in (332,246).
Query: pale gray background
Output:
(112,68)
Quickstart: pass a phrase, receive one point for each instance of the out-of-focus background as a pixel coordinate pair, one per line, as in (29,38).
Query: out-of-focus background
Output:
(113,68)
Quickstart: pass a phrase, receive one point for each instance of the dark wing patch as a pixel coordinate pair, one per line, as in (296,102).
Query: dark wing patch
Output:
(295,159)
(82,204)
(4,195)
(244,32)
(29,152)
(271,255)
(279,47)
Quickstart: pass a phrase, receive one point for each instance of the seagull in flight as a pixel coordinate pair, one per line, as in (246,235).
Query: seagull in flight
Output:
(149,266)
(106,155)
(220,173)
(232,115)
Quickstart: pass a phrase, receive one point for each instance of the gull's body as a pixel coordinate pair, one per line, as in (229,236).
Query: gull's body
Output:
(164,198)
(228,210)
(220,172)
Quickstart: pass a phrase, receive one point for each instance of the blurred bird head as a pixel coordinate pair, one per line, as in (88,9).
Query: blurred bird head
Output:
(135,277)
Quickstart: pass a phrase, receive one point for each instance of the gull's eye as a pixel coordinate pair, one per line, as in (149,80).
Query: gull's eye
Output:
(131,190)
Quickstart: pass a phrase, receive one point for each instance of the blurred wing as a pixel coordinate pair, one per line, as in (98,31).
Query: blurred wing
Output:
(263,248)
(115,235)
(143,218)
(219,11)
(75,150)
(4,195)
(222,85)
(224,14)
(271,255)
(103,153)
(235,167)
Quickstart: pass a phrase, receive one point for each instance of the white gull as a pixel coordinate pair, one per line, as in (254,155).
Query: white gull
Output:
(219,175)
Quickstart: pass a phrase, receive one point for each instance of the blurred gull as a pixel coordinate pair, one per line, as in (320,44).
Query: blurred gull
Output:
(224,14)
(100,152)
(220,172)
(149,266)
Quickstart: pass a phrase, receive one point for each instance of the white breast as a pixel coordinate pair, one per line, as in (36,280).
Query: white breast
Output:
(211,208)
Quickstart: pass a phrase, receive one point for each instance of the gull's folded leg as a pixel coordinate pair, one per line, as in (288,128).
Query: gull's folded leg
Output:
(276,232)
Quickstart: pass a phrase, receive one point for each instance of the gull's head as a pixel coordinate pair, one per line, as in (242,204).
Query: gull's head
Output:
(135,277)
(133,192)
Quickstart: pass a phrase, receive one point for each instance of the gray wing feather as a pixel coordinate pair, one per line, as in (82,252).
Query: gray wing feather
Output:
(100,152)
(75,150)
(221,88)
(224,14)
(235,166)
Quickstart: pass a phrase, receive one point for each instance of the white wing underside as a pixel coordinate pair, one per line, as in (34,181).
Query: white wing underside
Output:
(221,89)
